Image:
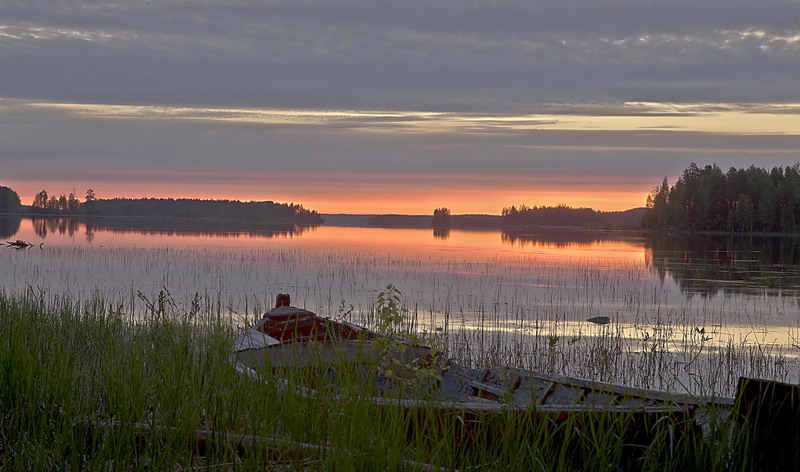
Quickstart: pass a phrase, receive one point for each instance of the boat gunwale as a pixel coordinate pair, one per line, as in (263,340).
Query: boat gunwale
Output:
(478,405)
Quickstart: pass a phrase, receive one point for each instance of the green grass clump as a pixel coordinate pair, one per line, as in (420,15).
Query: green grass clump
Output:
(88,386)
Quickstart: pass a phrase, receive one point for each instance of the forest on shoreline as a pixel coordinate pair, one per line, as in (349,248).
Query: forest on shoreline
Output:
(167,208)
(752,200)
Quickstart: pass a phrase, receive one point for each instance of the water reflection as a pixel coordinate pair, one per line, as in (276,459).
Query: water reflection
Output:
(565,238)
(61,226)
(441,233)
(706,265)
(43,227)
(214,228)
(9,226)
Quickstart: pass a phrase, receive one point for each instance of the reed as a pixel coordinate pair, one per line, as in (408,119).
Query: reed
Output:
(89,384)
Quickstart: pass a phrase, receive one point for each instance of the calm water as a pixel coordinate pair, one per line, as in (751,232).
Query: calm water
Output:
(517,287)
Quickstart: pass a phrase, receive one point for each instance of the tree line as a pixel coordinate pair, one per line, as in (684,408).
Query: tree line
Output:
(563,215)
(739,200)
(9,200)
(182,208)
(559,215)
(64,204)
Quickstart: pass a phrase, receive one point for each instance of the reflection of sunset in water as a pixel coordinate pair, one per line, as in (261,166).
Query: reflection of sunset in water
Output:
(397,241)
(639,337)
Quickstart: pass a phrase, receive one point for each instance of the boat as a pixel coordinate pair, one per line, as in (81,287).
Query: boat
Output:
(474,405)
(288,337)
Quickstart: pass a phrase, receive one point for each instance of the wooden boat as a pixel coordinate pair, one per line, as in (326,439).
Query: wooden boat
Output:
(476,407)
(293,338)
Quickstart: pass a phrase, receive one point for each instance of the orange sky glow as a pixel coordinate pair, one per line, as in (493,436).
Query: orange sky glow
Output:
(369,193)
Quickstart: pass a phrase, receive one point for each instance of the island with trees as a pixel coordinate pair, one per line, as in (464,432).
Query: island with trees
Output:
(47,204)
(441,218)
(190,209)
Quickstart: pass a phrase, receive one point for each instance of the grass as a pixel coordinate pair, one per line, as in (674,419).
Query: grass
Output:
(78,376)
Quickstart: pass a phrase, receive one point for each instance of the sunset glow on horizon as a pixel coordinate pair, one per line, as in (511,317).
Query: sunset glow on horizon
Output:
(366,194)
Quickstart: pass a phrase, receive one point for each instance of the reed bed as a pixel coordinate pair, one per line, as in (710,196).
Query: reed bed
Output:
(89,384)
(516,308)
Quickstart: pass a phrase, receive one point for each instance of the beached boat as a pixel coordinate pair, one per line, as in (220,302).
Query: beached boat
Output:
(293,338)
(475,407)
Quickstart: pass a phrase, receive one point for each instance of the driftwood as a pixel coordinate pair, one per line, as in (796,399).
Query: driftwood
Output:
(244,444)
(19,244)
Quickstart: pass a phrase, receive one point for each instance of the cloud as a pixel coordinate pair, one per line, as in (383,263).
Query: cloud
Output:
(383,54)
(749,118)
(652,149)
(28,34)
(556,140)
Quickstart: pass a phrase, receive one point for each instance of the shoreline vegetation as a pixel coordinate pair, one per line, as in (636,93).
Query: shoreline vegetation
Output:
(89,385)
(752,200)
(191,209)
(181,209)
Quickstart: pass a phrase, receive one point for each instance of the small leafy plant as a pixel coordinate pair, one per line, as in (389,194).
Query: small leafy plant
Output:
(393,324)
(390,311)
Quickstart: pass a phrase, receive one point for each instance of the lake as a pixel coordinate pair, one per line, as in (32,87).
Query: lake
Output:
(679,306)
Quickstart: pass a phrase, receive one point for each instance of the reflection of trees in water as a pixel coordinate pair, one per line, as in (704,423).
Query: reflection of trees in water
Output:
(562,238)
(9,226)
(707,264)
(194,228)
(43,226)
(89,231)
(70,226)
(441,233)
(39,227)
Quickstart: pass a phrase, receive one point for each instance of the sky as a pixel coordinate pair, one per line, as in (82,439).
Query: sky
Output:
(393,106)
